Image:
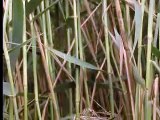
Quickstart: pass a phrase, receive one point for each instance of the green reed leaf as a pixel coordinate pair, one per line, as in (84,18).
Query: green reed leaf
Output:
(73,60)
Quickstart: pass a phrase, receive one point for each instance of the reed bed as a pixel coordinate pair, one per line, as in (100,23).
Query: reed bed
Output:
(81,59)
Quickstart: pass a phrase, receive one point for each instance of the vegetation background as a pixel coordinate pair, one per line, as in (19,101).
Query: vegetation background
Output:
(81,59)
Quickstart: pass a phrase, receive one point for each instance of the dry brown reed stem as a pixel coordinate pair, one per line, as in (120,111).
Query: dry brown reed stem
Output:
(19,84)
(131,84)
(44,109)
(49,81)
(64,62)
(90,15)
(95,83)
(121,25)
(90,46)
(155,99)
(63,68)
(94,24)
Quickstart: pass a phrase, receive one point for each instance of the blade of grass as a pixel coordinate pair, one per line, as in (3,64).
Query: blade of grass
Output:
(138,24)
(62,66)
(72,59)
(17,34)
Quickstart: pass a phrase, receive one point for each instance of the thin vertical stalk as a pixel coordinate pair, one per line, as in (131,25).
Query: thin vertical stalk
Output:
(124,89)
(158,99)
(34,55)
(140,39)
(128,20)
(76,50)
(35,113)
(25,64)
(150,37)
(51,64)
(69,64)
(10,18)
(51,109)
(48,58)
(43,21)
(50,40)
(81,54)
(137,101)
(10,109)
(148,71)
(159,26)
(108,56)
(138,88)
(155,99)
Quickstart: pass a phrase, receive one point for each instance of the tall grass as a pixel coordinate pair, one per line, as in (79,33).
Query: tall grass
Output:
(81,59)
